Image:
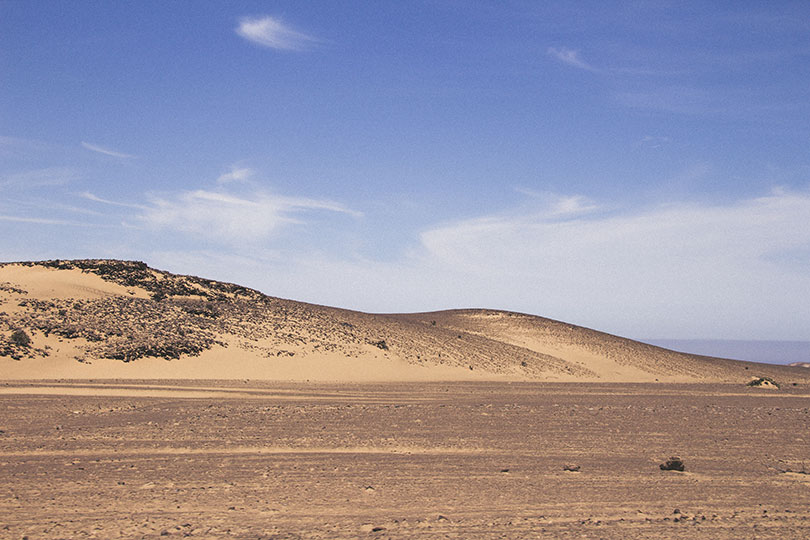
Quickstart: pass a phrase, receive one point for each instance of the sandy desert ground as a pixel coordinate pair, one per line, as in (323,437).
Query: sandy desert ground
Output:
(245,459)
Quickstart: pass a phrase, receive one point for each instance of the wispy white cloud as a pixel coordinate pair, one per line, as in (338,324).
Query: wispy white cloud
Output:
(271,32)
(40,221)
(16,147)
(221,216)
(573,206)
(705,265)
(236,174)
(677,270)
(552,205)
(49,176)
(91,197)
(653,141)
(48,207)
(747,103)
(106,151)
(570,57)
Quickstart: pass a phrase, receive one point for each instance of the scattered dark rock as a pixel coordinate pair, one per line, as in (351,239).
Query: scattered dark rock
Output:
(162,284)
(571,467)
(803,470)
(8,287)
(380,344)
(673,464)
(763,382)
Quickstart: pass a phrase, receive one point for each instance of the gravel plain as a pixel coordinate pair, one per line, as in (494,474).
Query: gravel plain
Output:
(245,459)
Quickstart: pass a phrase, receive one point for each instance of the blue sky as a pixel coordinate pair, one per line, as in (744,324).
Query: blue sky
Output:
(640,168)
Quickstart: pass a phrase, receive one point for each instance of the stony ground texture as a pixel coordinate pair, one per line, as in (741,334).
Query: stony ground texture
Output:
(461,460)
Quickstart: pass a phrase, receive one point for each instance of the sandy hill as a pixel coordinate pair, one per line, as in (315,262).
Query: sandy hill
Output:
(122,319)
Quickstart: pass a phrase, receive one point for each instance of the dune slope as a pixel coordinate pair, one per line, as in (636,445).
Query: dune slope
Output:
(122,319)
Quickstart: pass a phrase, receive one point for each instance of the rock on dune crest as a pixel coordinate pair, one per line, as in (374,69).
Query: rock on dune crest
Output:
(122,319)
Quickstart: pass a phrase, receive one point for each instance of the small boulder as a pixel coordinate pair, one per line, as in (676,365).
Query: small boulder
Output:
(673,464)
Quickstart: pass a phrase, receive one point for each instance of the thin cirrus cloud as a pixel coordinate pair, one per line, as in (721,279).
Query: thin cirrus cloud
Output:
(271,32)
(91,197)
(570,57)
(561,206)
(38,221)
(106,151)
(228,218)
(49,176)
(678,267)
(653,141)
(236,174)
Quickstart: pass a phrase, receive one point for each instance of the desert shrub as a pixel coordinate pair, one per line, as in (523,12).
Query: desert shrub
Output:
(158,348)
(763,381)
(20,338)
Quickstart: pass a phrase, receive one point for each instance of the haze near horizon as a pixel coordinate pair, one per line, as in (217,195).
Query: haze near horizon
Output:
(641,170)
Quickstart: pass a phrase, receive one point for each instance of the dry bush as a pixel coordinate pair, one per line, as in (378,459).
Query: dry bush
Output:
(20,338)
(763,382)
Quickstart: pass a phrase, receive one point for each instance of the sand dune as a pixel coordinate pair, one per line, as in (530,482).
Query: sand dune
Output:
(123,320)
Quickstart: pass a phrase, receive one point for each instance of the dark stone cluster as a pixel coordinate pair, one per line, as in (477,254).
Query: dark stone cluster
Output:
(161,284)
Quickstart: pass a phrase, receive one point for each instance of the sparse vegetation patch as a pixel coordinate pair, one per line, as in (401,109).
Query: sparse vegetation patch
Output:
(763,382)
(18,344)
(20,338)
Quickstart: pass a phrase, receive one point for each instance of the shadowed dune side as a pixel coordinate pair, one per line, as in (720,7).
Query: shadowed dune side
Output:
(122,319)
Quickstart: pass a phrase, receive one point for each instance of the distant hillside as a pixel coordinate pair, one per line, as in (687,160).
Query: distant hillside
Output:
(766,351)
(122,319)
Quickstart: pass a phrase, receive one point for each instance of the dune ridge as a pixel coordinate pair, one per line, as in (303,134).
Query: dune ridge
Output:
(124,320)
